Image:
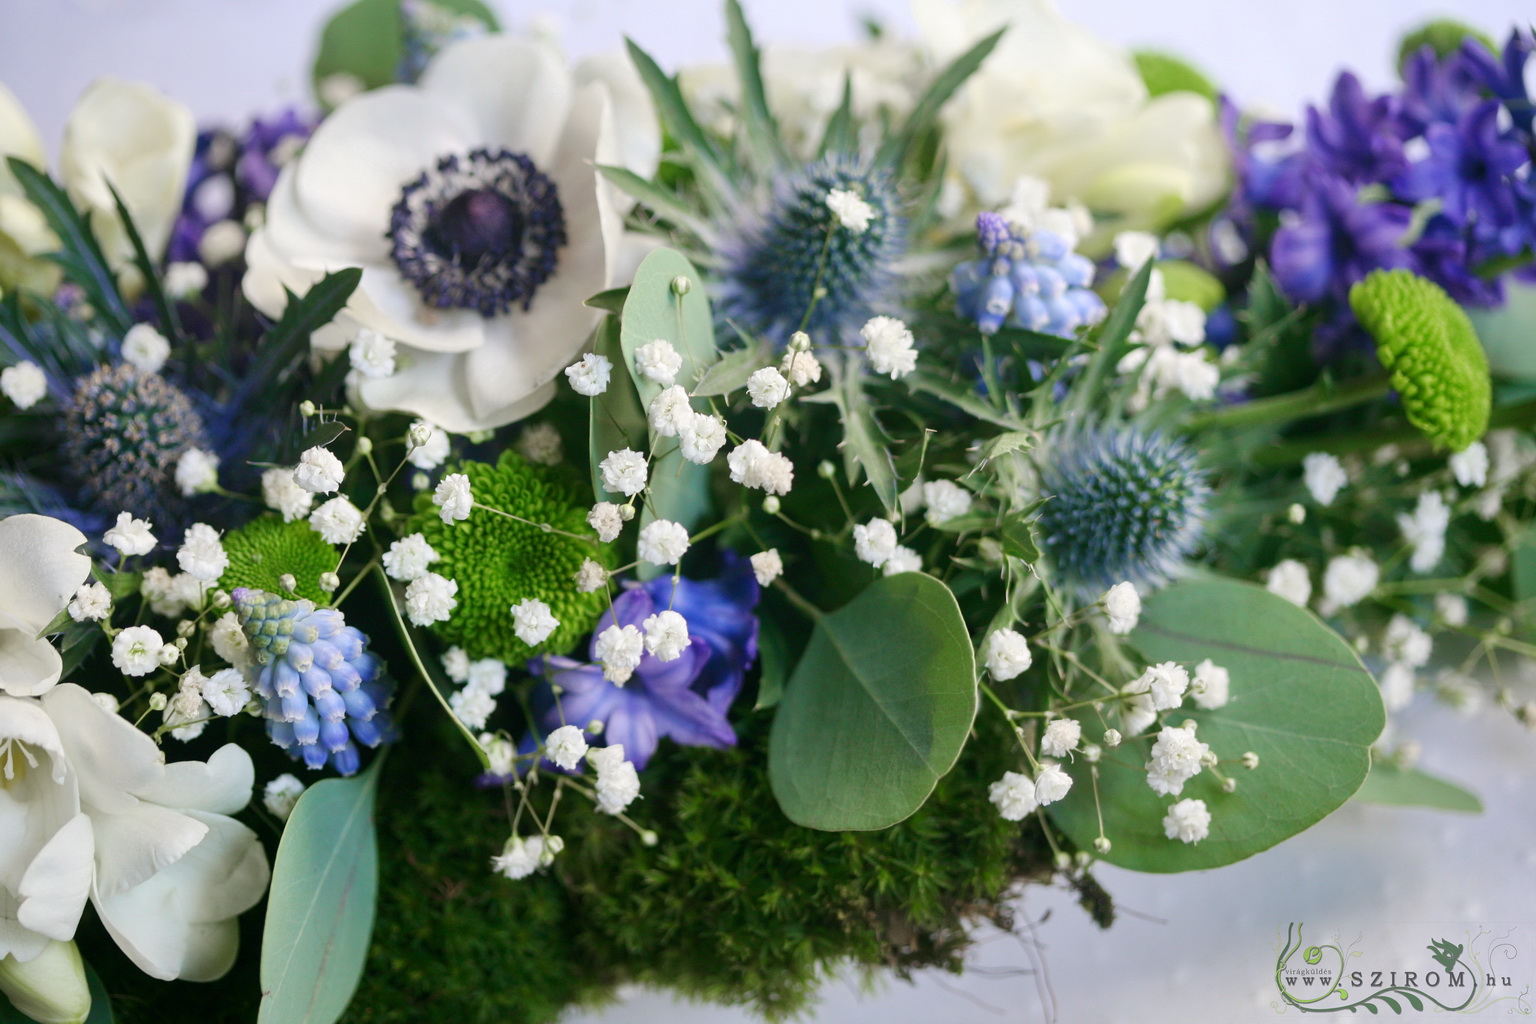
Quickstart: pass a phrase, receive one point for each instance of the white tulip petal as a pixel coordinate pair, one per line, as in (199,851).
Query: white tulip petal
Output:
(111,758)
(57,882)
(221,785)
(17,939)
(132,847)
(28,666)
(525,109)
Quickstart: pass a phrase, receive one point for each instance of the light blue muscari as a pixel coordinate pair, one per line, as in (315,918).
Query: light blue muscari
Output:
(1029,279)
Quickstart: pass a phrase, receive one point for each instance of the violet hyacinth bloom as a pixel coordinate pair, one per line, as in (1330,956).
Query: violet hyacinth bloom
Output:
(1504,75)
(1469,168)
(1336,240)
(1359,139)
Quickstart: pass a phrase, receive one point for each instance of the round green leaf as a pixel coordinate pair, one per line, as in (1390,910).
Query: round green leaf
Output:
(366,39)
(1300,699)
(1505,332)
(878,708)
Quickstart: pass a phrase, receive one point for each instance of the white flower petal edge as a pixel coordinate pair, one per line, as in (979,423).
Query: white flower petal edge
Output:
(40,570)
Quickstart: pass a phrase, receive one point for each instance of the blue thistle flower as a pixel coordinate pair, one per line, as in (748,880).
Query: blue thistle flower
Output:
(1031,279)
(1123,505)
(769,272)
(322,692)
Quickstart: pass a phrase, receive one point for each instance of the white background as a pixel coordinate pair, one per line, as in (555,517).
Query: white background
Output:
(1188,948)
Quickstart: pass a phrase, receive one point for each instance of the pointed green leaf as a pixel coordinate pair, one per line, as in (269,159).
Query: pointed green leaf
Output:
(839,135)
(677,119)
(762,131)
(80,254)
(862,449)
(926,113)
(730,373)
(773,655)
(610,301)
(663,202)
(1002,444)
(1113,337)
(1388,784)
(961,397)
(320,908)
(153,286)
(878,708)
(617,420)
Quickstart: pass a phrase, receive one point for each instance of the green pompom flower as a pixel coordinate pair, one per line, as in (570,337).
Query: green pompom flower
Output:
(498,562)
(1427,343)
(262,551)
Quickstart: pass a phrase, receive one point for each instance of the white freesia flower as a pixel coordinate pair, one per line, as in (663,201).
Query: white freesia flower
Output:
(99,815)
(419,185)
(40,572)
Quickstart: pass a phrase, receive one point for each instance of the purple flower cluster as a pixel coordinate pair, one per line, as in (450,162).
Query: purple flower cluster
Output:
(1436,177)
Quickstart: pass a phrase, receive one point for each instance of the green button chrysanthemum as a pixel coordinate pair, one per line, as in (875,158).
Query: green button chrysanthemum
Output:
(264,550)
(498,562)
(1427,343)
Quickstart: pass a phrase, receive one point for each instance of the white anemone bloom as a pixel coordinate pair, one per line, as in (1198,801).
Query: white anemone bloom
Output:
(472,206)
(90,810)
(40,571)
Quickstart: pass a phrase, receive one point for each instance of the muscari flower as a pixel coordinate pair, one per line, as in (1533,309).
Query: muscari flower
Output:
(1030,279)
(322,692)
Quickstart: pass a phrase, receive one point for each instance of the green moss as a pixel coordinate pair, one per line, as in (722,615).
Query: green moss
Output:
(1427,343)
(498,562)
(1163,73)
(261,551)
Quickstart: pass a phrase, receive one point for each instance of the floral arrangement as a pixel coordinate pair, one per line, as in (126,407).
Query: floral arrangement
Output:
(525,528)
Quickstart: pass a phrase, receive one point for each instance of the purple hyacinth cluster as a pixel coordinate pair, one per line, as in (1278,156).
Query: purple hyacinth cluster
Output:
(1435,177)
(322,692)
(1030,279)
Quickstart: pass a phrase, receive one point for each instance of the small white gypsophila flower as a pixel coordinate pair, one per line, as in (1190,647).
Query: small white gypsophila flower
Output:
(500,754)
(430,598)
(1184,322)
(1133,248)
(279,795)
(197,472)
(591,576)
(453,498)
(1051,783)
(703,439)
(136,650)
(319,471)
(456,664)
(338,521)
(619,649)
(1290,580)
(1008,654)
(1404,641)
(533,621)
(184,280)
(432,451)
(372,354)
(1212,686)
(1424,531)
(130,536)
(1061,737)
(280,491)
(753,465)
(903,559)
(1452,609)
(670,414)
(24,384)
(1349,579)
(802,368)
(1194,376)
(159,588)
(589,376)
(1123,607)
(1177,757)
(662,542)
(488,675)
(890,346)
(658,361)
(850,209)
(606,518)
(1187,821)
(1470,466)
(1396,685)
(540,443)
(91,603)
(472,706)
(945,500)
(169,655)
(1165,682)
(519,858)
(1014,796)
(409,558)
(145,348)
(202,553)
(874,541)
(624,472)
(767,387)
(566,746)
(223,242)
(767,566)
(618,784)
(226,692)
(229,640)
(1324,476)
(666,635)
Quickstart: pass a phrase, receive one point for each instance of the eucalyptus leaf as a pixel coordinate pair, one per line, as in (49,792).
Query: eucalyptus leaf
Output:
(321,905)
(1522,570)
(773,657)
(617,420)
(1399,787)
(1300,700)
(878,708)
(366,40)
(730,373)
(1505,332)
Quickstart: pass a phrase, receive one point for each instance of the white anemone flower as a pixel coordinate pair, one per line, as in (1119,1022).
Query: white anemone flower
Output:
(92,811)
(471,203)
(40,571)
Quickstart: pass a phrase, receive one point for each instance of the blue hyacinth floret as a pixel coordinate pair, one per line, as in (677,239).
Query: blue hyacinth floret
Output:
(1121,505)
(322,693)
(1030,279)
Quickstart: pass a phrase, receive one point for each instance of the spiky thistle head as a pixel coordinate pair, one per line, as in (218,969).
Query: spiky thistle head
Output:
(775,263)
(1427,343)
(265,550)
(1121,505)
(499,561)
(124,429)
